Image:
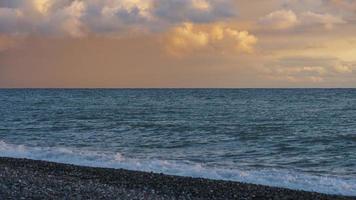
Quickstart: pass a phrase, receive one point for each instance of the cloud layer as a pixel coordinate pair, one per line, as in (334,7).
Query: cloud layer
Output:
(187,43)
(78,17)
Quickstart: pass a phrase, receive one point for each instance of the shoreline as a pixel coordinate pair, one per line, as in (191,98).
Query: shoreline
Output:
(32,179)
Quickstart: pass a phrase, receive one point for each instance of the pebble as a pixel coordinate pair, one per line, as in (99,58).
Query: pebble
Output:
(29,179)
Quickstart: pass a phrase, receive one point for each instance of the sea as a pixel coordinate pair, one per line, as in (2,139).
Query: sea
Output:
(301,139)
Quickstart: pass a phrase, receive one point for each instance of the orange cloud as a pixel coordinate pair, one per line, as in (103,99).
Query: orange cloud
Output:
(42,6)
(189,38)
(201,4)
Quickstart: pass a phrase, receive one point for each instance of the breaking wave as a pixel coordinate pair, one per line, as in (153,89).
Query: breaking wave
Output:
(278,178)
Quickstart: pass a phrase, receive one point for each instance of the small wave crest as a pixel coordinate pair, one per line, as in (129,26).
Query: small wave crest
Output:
(278,178)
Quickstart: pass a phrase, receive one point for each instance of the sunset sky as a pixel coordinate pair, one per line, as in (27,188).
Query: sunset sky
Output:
(177,43)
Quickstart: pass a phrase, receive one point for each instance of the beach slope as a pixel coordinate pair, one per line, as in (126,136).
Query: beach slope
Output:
(30,179)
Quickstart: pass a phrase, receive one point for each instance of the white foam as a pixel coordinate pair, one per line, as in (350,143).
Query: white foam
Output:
(279,178)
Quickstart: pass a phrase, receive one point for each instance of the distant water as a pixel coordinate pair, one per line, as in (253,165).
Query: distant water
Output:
(299,139)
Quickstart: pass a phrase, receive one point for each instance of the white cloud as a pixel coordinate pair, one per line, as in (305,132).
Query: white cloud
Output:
(301,74)
(308,69)
(310,18)
(287,19)
(281,19)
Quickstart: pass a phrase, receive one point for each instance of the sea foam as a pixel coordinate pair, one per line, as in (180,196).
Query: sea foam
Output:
(271,177)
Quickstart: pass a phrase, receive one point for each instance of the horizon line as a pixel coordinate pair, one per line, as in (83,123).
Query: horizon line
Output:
(162,88)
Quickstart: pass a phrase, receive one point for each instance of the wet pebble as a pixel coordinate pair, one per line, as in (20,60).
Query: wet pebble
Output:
(29,179)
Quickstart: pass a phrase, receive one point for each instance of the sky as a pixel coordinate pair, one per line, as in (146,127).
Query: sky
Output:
(177,43)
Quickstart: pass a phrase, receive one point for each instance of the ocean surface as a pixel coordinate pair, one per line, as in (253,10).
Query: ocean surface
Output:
(294,138)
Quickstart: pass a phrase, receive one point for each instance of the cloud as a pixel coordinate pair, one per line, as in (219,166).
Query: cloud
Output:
(287,19)
(68,20)
(310,18)
(8,18)
(345,5)
(298,73)
(190,38)
(303,5)
(281,19)
(343,68)
(42,17)
(308,69)
(77,18)
(7,42)
(194,10)
(42,6)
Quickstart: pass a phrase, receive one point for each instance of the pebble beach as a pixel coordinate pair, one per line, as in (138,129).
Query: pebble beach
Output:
(30,179)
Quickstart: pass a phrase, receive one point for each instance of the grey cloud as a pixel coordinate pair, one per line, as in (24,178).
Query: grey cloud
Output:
(184,10)
(7,22)
(78,17)
(10,3)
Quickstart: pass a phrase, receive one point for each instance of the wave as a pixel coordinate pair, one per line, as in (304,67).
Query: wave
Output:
(277,178)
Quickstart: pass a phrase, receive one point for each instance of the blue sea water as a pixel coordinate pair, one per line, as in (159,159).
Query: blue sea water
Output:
(294,138)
